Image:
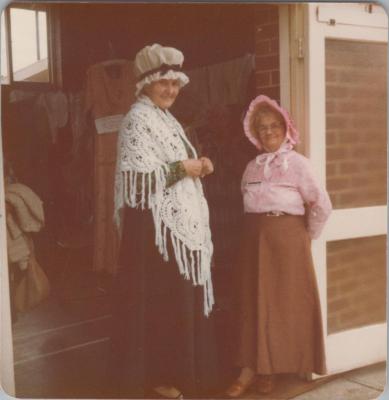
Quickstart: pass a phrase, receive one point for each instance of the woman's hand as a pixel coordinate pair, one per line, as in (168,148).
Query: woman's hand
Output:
(207,166)
(193,167)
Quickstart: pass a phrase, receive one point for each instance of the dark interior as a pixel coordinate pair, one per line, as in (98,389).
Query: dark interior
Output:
(61,345)
(205,33)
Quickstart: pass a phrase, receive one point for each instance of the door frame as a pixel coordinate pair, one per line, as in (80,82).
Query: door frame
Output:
(7,374)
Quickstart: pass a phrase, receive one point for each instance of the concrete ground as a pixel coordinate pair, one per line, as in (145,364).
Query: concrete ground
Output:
(361,384)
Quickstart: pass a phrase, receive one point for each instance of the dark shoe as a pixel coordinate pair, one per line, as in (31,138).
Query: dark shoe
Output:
(266,383)
(152,394)
(238,388)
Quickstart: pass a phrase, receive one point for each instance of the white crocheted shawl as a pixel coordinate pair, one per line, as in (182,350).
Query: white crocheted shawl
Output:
(149,140)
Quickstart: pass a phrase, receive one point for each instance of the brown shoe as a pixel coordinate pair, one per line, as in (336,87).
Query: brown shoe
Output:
(238,388)
(266,384)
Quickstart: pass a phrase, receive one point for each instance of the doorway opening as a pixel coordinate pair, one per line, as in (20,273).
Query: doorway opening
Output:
(49,139)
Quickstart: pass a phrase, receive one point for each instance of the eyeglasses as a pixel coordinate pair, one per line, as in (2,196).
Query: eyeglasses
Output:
(275,126)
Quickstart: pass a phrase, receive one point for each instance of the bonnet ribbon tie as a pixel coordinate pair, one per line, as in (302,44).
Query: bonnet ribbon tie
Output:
(164,68)
(266,159)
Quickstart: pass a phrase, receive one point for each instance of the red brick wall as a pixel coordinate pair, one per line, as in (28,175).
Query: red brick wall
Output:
(356,282)
(356,123)
(267,52)
(356,177)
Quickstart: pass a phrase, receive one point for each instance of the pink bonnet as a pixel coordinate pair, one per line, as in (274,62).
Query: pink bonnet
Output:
(291,132)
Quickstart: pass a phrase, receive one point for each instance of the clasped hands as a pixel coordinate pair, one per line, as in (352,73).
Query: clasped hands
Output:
(198,168)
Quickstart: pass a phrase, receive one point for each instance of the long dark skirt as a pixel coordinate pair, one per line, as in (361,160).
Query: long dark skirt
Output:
(160,334)
(280,318)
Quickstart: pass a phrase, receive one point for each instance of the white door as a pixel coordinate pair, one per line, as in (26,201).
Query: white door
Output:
(346,109)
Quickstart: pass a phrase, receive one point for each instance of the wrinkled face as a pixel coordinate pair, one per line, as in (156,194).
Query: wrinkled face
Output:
(163,93)
(271,131)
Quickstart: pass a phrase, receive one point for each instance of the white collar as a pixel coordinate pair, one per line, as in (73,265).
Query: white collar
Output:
(266,159)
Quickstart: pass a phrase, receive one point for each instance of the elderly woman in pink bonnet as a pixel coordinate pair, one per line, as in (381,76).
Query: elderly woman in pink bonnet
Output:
(280,324)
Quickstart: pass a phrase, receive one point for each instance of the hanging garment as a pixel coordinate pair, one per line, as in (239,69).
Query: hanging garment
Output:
(109,94)
(26,139)
(215,85)
(27,206)
(56,106)
(228,81)
(17,247)
(19,95)
(77,119)
(24,214)
(34,286)
(192,104)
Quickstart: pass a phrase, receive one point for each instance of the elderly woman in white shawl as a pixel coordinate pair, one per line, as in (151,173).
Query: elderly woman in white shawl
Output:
(162,337)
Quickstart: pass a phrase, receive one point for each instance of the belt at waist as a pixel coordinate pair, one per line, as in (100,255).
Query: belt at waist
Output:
(274,213)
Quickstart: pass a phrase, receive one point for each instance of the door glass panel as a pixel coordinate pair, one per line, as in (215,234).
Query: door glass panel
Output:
(29,45)
(356,123)
(42,24)
(356,282)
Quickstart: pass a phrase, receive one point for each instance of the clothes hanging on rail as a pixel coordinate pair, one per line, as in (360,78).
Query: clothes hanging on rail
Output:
(228,81)
(24,216)
(77,120)
(37,141)
(192,104)
(212,86)
(27,140)
(56,106)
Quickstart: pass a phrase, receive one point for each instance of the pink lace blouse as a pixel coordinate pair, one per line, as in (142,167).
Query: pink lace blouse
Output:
(284,181)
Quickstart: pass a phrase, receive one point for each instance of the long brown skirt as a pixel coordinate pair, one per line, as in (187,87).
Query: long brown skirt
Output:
(280,325)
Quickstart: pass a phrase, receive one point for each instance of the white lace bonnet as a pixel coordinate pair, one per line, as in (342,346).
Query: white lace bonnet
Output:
(156,62)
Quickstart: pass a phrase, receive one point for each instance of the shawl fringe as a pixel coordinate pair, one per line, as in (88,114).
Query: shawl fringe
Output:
(194,265)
